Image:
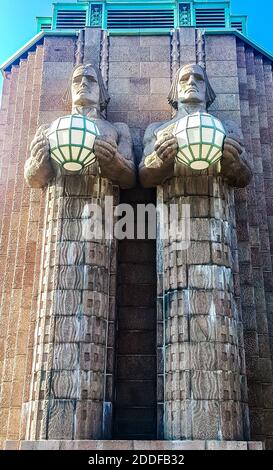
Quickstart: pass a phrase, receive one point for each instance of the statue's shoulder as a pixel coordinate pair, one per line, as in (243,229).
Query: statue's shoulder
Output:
(122,128)
(156,127)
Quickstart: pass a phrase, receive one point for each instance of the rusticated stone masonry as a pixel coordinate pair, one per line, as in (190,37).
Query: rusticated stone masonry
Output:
(205,377)
(71,391)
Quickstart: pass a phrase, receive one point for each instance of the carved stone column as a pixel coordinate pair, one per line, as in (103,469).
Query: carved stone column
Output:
(205,383)
(71,385)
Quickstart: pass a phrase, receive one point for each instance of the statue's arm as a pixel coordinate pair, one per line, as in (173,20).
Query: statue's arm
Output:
(235,166)
(153,171)
(38,170)
(117,163)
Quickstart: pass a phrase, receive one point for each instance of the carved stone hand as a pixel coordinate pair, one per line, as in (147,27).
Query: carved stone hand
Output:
(105,149)
(231,151)
(39,147)
(38,168)
(166,148)
(234,166)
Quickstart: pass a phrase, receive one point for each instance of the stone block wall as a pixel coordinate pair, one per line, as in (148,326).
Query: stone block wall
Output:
(139,81)
(30,99)
(21,236)
(254,228)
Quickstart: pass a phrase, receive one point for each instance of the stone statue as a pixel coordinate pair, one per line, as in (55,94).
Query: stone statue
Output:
(113,148)
(78,274)
(191,92)
(204,374)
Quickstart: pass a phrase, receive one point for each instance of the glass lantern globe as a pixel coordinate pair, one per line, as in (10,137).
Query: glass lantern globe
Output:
(71,140)
(200,139)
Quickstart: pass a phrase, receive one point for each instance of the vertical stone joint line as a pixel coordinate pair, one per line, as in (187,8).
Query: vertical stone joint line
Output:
(79,55)
(200,48)
(104,55)
(175,53)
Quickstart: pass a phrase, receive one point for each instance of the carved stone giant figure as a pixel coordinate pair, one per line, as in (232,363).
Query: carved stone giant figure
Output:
(205,392)
(71,390)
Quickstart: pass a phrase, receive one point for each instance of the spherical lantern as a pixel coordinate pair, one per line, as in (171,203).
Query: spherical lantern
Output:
(71,140)
(200,139)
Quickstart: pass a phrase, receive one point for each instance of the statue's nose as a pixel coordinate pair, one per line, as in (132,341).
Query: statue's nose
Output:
(84,81)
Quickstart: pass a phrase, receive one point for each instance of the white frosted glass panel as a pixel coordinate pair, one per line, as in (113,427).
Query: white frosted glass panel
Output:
(194,121)
(58,155)
(89,140)
(66,153)
(90,159)
(216,157)
(214,151)
(205,150)
(54,158)
(180,126)
(63,137)
(84,154)
(206,121)
(199,165)
(90,127)
(219,138)
(196,151)
(181,158)
(53,126)
(187,153)
(64,123)
(53,140)
(182,139)
(75,152)
(73,166)
(76,137)
(77,122)
(207,134)
(193,135)
(219,125)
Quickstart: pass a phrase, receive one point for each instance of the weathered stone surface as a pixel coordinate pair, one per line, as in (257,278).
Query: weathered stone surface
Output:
(230,445)
(138,445)
(59,49)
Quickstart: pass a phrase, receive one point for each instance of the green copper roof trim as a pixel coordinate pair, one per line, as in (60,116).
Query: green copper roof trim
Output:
(140,32)
(71,7)
(43,20)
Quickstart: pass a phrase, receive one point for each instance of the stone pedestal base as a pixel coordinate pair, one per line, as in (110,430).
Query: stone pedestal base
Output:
(132,445)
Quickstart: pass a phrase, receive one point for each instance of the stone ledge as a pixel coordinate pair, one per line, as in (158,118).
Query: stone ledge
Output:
(132,445)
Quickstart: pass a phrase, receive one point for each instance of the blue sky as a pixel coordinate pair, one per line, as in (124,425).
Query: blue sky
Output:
(18,22)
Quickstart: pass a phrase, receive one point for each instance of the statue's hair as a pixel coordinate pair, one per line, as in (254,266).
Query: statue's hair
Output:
(173,94)
(104,96)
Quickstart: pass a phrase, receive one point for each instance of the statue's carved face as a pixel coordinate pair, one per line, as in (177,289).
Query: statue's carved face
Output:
(85,87)
(191,85)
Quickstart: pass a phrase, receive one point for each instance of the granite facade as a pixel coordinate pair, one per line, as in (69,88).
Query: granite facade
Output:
(138,71)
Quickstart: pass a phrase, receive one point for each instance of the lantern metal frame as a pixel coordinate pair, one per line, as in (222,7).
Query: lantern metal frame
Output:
(59,150)
(192,152)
